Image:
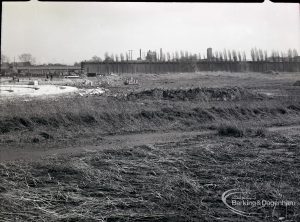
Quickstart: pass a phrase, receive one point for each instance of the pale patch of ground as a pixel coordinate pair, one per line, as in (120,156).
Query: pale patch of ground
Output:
(33,91)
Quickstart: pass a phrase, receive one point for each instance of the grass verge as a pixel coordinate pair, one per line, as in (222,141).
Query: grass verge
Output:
(66,119)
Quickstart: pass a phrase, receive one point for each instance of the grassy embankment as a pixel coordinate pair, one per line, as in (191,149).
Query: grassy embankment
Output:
(65,119)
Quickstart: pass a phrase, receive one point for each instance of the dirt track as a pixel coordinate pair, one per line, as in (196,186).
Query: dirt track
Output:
(119,141)
(109,142)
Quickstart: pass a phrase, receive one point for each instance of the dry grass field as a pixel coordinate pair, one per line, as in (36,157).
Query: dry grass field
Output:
(163,150)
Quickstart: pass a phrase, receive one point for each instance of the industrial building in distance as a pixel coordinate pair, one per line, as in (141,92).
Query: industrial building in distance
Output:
(26,69)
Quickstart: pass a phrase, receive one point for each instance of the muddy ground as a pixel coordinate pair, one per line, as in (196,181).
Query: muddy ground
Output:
(163,150)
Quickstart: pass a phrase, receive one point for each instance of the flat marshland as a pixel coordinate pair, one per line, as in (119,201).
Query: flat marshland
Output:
(163,150)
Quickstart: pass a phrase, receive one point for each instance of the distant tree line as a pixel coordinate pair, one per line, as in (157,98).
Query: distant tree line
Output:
(224,55)
(275,56)
(182,56)
(25,57)
(29,58)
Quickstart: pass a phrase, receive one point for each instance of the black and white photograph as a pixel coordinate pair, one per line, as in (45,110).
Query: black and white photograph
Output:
(149,112)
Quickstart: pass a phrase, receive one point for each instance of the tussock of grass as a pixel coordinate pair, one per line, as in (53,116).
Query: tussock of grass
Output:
(239,130)
(230,130)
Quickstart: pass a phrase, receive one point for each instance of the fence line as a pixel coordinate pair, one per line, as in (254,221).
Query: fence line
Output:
(165,67)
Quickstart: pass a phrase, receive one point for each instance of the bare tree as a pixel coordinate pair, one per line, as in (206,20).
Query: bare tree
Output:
(253,55)
(168,56)
(96,59)
(217,56)
(277,56)
(193,57)
(112,57)
(229,55)
(290,55)
(106,56)
(176,56)
(273,56)
(234,56)
(256,54)
(122,57)
(220,56)
(27,57)
(4,58)
(181,55)
(261,55)
(295,53)
(186,56)
(225,55)
(244,56)
(164,56)
(282,56)
(266,55)
(239,56)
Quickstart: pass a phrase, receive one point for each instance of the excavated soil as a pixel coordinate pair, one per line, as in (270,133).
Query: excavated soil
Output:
(199,94)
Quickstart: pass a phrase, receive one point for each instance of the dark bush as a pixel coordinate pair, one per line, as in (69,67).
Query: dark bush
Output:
(230,130)
(297,83)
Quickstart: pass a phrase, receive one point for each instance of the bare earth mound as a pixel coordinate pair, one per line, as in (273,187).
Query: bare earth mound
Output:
(199,94)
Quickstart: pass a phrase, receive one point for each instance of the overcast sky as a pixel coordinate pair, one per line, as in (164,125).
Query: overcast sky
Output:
(67,32)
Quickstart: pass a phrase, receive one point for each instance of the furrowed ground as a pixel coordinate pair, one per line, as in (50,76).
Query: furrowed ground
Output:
(165,150)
